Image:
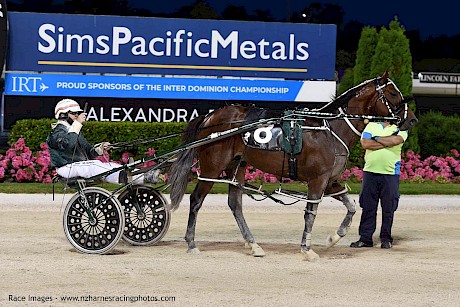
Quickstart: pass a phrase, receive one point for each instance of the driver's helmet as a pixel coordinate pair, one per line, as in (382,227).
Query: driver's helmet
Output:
(66,105)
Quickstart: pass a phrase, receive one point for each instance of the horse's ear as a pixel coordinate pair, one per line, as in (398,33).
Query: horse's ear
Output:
(408,99)
(386,74)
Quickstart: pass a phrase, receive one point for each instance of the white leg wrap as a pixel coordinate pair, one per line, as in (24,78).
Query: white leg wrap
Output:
(332,240)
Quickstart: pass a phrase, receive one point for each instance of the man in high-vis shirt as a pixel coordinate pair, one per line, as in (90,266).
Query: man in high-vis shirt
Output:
(383,143)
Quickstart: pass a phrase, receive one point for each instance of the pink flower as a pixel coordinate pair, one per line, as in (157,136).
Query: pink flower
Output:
(149,163)
(125,157)
(45,162)
(47,179)
(19,145)
(403,176)
(16,162)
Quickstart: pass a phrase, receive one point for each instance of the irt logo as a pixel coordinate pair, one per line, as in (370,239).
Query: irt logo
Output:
(27,84)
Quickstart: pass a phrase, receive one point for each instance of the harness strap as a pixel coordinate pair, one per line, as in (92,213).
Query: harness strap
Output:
(349,123)
(325,127)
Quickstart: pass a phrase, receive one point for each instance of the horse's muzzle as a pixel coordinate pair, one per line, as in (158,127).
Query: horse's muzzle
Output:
(408,123)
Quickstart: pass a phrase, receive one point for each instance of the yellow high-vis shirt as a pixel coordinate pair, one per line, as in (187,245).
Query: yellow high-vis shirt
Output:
(386,160)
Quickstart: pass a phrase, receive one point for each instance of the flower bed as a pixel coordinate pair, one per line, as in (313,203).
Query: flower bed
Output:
(439,169)
(19,164)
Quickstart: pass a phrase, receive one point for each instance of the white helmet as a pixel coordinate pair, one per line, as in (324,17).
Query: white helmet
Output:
(66,105)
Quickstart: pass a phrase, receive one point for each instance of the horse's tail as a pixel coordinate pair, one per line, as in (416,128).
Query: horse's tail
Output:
(182,167)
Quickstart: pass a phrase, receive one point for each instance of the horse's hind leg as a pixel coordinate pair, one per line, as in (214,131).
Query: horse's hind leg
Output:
(196,200)
(316,189)
(235,202)
(345,225)
(305,247)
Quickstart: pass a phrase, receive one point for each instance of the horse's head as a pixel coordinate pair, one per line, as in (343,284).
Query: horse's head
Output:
(381,97)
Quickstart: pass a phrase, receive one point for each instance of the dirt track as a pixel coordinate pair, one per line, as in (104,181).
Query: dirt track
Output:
(423,268)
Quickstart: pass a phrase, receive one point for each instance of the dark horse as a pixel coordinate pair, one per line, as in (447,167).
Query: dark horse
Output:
(320,163)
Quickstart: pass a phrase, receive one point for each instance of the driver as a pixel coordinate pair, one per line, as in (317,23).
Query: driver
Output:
(71,154)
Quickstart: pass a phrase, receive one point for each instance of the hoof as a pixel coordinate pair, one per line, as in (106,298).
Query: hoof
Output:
(309,255)
(332,240)
(256,250)
(193,251)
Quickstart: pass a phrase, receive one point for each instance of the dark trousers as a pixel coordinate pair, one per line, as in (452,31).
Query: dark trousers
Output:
(377,187)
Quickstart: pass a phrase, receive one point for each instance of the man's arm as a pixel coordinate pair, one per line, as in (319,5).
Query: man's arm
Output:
(375,143)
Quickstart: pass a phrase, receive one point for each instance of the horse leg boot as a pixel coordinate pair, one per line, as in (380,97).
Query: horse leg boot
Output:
(196,200)
(235,202)
(305,247)
(345,225)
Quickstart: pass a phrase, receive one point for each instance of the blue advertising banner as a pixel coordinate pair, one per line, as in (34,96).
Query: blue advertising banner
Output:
(134,45)
(71,85)
(3,33)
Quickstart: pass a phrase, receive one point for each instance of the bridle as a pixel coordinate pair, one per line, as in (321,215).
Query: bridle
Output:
(391,111)
(382,98)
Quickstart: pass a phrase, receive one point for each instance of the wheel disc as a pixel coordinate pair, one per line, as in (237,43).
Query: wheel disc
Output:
(151,223)
(96,234)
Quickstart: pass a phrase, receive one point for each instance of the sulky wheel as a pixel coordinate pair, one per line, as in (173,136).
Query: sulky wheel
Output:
(97,230)
(146,216)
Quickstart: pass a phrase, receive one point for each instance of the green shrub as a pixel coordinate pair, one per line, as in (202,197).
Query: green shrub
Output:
(356,156)
(35,131)
(438,134)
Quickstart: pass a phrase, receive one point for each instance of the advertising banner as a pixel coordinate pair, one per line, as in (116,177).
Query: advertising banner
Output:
(70,85)
(168,46)
(3,33)
(436,77)
(135,109)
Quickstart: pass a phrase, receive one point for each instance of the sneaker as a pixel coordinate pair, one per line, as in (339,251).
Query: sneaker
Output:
(386,245)
(152,176)
(359,244)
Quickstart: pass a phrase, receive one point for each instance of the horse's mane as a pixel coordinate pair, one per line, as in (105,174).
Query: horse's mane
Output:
(343,99)
(332,106)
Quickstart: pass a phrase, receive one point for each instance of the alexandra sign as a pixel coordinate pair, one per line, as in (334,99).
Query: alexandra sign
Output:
(129,45)
(439,77)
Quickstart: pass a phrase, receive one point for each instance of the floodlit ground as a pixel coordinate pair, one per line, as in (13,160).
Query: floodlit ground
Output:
(423,268)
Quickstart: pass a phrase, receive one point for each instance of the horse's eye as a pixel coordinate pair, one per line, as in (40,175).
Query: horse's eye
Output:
(393,94)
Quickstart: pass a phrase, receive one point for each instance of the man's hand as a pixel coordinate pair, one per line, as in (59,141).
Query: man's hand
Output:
(81,118)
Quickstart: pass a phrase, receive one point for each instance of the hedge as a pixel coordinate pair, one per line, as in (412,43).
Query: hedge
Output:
(437,135)
(35,131)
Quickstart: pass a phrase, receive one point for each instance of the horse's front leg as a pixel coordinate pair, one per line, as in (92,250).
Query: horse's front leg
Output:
(305,247)
(345,225)
(196,200)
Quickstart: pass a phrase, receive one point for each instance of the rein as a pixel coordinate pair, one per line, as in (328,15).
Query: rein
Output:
(126,144)
(143,141)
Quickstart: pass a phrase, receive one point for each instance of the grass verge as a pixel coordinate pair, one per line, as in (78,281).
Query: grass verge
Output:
(406,188)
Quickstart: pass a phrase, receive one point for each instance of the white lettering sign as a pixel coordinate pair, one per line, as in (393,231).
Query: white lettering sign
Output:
(119,114)
(55,38)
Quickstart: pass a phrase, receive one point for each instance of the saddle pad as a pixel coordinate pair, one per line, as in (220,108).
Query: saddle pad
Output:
(265,138)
